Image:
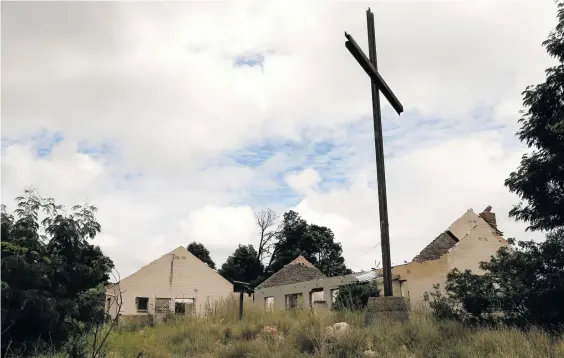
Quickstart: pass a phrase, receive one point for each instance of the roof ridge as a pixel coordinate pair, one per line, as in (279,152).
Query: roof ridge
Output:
(293,273)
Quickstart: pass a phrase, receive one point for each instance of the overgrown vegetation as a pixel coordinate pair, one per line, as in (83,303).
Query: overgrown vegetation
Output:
(355,296)
(520,287)
(300,333)
(52,277)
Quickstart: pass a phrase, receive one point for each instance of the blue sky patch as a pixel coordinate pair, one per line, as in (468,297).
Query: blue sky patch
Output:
(323,148)
(253,156)
(132,176)
(281,195)
(251,60)
(105,149)
(328,158)
(44,141)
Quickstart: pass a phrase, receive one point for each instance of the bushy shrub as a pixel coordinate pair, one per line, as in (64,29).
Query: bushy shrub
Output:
(522,287)
(355,296)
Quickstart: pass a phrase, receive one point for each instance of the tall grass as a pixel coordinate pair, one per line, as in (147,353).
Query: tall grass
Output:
(302,333)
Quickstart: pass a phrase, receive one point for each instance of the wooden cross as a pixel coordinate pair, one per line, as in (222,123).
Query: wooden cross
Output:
(378,85)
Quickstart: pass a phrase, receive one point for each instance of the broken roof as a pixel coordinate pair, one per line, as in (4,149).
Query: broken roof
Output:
(366,276)
(457,231)
(438,247)
(299,270)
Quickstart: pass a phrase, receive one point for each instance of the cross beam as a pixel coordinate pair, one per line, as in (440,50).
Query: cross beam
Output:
(371,71)
(378,84)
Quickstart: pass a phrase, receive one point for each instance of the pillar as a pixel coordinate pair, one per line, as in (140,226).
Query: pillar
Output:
(387,309)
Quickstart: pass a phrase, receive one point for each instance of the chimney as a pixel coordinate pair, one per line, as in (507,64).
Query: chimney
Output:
(489,216)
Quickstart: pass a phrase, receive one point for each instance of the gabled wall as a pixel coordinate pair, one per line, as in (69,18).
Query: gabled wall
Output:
(478,242)
(178,274)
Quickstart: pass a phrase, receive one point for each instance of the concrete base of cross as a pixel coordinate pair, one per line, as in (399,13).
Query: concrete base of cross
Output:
(386,309)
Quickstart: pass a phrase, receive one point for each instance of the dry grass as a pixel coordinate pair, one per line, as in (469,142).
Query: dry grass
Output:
(303,334)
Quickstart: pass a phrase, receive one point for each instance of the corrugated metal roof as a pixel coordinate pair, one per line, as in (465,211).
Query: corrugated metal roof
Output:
(367,276)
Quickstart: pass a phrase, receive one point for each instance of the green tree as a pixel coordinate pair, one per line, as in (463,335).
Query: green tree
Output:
(316,243)
(530,282)
(355,296)
(292,238)
(290,242)
(52,277)
(539,180)
(199,250)
(525,283)
(243,265)
(328,254)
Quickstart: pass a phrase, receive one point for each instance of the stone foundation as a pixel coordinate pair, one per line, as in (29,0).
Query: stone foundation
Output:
(386,308)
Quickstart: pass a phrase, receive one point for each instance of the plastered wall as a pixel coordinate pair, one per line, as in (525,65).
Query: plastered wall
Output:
(178,274)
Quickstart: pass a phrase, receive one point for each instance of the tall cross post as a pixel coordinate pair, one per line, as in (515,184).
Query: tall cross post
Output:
(370,66)
(243,286)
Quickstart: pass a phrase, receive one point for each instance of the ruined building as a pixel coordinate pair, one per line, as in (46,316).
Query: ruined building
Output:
(470,239)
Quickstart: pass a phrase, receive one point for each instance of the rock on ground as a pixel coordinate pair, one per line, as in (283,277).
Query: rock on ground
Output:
(340,326)
(270,330)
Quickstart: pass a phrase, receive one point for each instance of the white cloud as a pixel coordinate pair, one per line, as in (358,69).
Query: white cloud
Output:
(65,173)
(157,81)
(220,227)
(303,182)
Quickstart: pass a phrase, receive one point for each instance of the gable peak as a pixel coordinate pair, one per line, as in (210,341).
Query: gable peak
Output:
(300,260)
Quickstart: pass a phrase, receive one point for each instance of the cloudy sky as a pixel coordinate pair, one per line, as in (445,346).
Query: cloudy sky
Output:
(178,120)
